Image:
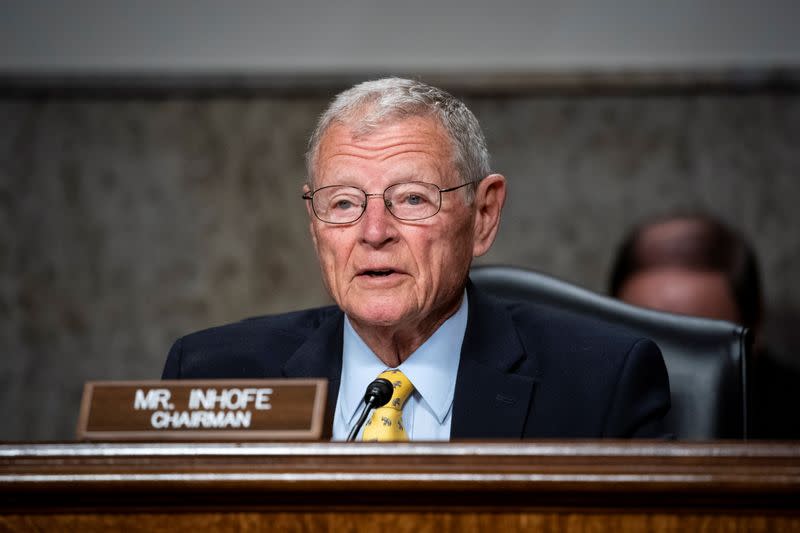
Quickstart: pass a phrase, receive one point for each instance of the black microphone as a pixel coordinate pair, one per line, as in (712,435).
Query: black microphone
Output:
(378,394)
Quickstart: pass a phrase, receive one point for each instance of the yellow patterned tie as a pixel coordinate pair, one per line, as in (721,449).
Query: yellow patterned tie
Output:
(386,423)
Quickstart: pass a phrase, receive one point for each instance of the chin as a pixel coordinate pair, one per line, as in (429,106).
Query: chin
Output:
(377,315)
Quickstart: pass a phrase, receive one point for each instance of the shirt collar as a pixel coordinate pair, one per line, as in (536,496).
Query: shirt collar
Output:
(432,368)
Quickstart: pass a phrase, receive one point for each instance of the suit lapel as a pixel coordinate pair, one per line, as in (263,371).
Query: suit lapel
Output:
(490,401)
(320,356)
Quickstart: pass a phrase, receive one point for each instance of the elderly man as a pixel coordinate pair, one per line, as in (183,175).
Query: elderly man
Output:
(400,198)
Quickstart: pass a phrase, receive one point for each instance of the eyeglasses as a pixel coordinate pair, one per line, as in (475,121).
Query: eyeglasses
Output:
(344,204)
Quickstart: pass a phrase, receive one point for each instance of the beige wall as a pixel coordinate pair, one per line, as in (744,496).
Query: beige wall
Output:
(335,36)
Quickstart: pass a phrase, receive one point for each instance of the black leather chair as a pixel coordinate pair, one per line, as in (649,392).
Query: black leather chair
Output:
(706,359)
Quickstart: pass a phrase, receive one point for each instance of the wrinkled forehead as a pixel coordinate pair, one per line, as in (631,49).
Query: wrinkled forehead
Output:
(364,125)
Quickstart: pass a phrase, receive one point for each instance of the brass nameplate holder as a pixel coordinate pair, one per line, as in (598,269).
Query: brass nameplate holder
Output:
(207,410)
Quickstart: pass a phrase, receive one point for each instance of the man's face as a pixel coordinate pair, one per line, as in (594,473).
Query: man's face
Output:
(380,270)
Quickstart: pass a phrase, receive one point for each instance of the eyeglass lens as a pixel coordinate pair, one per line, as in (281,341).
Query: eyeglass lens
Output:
(340,204)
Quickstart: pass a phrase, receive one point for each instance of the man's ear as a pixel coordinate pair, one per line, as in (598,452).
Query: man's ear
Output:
(309,210)
(490,197)
(311,216)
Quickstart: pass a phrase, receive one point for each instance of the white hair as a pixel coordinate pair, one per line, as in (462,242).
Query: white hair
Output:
(367,105)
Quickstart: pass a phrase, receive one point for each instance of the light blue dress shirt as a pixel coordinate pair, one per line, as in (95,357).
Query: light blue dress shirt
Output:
(432,368)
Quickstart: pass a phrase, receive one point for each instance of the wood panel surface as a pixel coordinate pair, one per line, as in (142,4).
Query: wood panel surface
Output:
(541,486)
(442,522)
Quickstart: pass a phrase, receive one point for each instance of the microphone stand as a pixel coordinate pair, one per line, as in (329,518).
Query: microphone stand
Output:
(378,394)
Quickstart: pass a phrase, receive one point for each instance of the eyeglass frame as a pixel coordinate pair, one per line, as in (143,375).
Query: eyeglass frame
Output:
(367,195)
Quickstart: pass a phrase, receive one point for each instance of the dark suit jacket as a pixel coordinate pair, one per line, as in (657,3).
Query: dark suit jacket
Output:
(525,372)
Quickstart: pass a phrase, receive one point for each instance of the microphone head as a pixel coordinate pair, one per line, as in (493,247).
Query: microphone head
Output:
(379,392)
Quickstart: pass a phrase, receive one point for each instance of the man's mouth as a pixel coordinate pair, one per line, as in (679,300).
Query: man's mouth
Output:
(377,273)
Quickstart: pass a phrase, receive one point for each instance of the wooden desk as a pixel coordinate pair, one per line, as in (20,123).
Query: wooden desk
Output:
(546,486)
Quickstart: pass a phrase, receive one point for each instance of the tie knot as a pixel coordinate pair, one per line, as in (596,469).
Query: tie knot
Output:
(402,388)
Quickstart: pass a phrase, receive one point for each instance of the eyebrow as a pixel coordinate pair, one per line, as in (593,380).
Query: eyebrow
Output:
(349,182)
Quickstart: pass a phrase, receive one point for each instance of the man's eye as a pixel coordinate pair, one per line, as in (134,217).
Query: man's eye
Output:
(414,199)
(343,203)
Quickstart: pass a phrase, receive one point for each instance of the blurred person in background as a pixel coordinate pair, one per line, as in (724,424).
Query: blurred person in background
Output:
(694,264)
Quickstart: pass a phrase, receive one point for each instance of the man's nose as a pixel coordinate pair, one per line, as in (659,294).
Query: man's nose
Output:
(377,222)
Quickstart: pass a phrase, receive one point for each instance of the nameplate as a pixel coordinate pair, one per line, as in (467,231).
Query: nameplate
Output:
(203,410)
